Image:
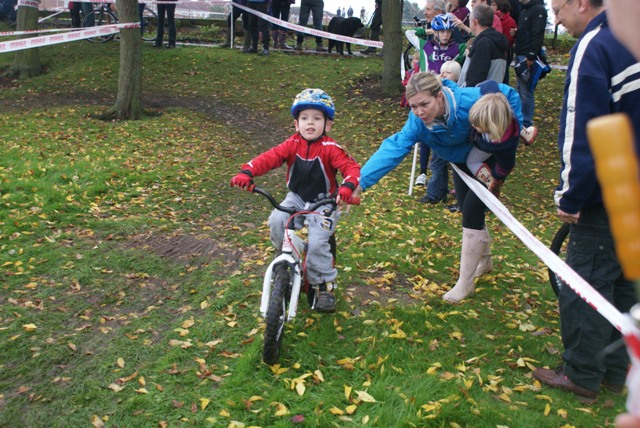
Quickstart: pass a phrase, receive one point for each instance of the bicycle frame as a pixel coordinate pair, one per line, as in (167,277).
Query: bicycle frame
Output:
(292,254)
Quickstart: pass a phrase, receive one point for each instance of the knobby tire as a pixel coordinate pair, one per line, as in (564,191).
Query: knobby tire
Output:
(276,315)
(559,248)
(97,18)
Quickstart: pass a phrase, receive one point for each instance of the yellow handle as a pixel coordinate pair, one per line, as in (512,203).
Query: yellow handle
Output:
(612,143)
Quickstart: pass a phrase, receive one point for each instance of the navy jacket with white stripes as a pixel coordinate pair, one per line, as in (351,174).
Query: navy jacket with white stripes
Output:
(602,78)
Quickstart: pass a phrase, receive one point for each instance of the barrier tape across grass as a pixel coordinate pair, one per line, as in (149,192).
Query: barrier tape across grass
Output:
(54,39)
(623,322)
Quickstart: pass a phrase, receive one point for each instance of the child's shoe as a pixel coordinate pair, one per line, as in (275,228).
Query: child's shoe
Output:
(421,180)
(528,135)
(325,300)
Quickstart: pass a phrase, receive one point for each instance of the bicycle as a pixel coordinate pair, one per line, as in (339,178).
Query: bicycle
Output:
(285,277)
(104,15)
(407,56)
(559,247)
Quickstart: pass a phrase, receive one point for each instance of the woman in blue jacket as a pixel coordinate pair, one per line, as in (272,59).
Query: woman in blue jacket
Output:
(439,118)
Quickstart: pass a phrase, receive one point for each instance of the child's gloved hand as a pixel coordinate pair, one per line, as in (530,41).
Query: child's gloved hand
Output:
(495,186)
(243,180)
(344,194)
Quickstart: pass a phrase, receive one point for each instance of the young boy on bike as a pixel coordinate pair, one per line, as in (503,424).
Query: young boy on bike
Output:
(312,159)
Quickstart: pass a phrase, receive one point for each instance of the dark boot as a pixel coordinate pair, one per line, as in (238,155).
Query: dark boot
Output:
(246,43)
(375,35)
(283,41)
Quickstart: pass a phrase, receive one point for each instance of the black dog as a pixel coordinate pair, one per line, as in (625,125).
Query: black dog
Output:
(344,27)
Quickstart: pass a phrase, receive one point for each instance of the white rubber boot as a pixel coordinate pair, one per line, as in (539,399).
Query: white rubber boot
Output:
(472,246)
(486,264)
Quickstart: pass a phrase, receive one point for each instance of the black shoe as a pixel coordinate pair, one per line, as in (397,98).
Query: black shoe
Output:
(454,208)
(320,48)
(428,200)
(368,51)
(251,50)
(325,300)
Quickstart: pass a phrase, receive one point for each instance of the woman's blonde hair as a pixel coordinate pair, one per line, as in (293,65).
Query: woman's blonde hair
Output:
(492,113)
(423,81)
(452,67)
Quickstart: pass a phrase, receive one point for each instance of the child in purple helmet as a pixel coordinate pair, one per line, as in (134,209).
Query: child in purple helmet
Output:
(313,160)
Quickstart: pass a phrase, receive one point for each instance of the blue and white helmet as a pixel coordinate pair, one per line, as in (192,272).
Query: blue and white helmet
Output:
(441,23)
(316,99)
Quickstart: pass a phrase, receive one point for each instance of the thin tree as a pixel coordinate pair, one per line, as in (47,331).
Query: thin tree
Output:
(392,30)
(128,104)
(26,63)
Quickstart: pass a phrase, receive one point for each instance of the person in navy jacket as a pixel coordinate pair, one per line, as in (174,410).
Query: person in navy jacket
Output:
(602,78)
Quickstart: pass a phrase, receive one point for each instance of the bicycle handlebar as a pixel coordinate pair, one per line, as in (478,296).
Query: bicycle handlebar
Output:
(332,201)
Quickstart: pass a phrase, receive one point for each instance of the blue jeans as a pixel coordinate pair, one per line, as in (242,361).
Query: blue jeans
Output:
(316,8)
(438,185)
(527,98)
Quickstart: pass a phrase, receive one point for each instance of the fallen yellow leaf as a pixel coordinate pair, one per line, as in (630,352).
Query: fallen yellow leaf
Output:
(204,402)
(29,327)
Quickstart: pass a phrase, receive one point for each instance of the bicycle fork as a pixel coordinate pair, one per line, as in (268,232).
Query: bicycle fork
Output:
(292,248)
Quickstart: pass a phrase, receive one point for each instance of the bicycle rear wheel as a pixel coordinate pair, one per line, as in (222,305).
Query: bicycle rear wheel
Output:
(149,24)
(97,18)
(276,315)
(559,247)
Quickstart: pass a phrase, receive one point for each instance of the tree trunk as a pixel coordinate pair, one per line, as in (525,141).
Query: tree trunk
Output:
(129,101)
(26,63)
(393,37)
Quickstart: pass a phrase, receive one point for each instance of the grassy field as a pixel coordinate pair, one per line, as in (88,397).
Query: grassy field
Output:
(130,271)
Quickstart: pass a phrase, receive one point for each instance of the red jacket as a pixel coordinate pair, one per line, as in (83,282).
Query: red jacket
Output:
(507,24)
(311,167)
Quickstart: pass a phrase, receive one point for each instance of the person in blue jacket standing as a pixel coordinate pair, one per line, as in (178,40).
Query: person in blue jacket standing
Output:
(439,118)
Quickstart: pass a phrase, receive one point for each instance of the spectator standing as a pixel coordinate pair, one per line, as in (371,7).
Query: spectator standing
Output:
(338,12)
(528,46)
(600,80)
(461,11)
(259,26)
(349,12)
(362,13)
(376,25)
(502,9)
(232,17)
(315,8)
(487,57)
(168,11)
(280,9)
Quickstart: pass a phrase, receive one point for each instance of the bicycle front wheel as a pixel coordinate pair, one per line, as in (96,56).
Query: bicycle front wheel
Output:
(559,247)
(276,315)
(149,24)
(97,18)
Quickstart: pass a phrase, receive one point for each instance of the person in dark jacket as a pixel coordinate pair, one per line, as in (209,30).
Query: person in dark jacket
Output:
(487,57)
(601,79)
(532,22)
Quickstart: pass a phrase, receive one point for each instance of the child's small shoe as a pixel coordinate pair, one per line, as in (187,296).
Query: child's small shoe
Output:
(325,300)
(528,135)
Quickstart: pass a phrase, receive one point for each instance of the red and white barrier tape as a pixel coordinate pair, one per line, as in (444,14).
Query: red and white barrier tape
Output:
(54,39)
(29,3)
(622,322)
(311,31)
